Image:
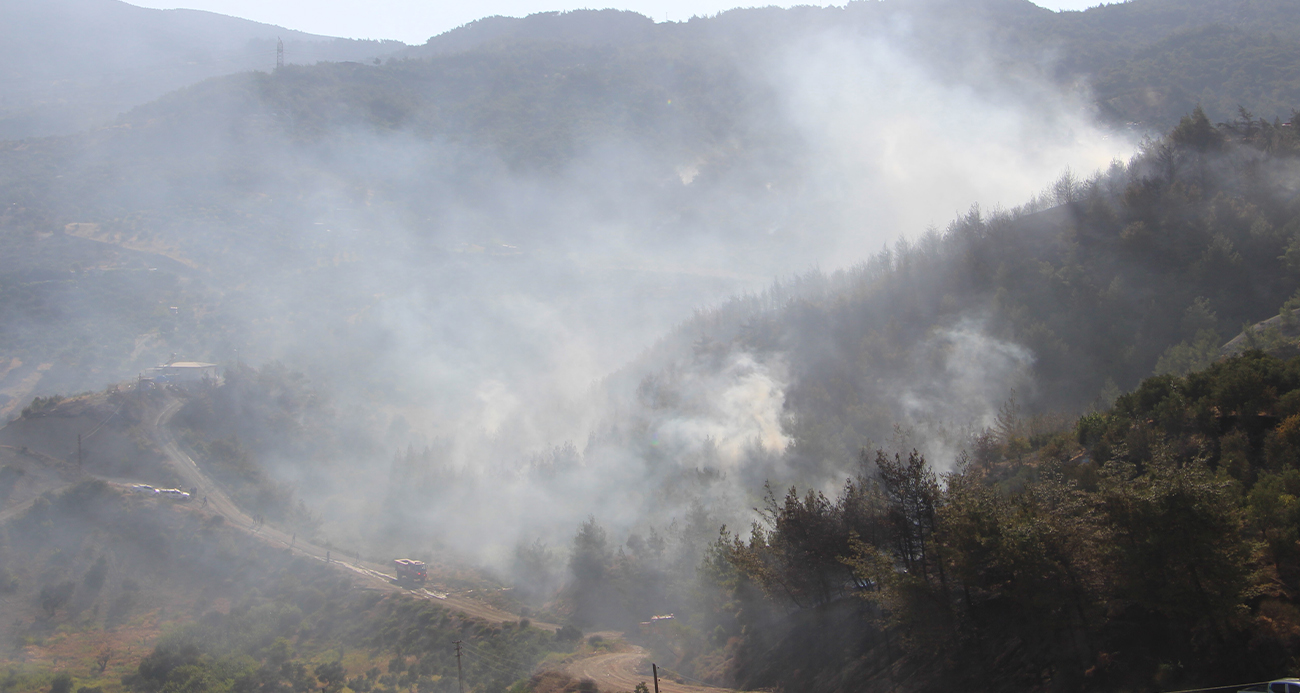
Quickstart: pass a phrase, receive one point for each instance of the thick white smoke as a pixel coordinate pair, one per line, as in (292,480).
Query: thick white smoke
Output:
(962,379)
(736,409)
(899,147)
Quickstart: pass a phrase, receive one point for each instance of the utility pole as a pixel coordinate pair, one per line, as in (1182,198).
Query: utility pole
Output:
(460,675)
(655,669)
(279,54)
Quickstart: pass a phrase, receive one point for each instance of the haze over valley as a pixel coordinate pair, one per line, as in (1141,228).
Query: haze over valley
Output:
(589,273)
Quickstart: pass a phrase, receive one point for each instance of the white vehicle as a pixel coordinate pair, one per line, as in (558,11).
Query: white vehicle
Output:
(145,489)
(174,494)
(1278,686)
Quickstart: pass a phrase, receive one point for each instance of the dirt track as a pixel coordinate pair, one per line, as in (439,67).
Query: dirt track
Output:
(622,671)
(218,501)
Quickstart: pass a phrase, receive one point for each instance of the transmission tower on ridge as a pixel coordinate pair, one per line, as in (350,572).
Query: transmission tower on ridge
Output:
(279,54)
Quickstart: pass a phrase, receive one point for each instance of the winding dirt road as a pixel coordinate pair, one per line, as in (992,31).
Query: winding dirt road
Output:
(220,502)
(622,671)
(618,671)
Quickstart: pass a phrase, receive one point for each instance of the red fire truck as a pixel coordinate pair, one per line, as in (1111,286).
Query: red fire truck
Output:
(410,571)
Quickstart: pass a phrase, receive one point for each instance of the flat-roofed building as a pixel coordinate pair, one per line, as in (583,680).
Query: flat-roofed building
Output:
(184,372)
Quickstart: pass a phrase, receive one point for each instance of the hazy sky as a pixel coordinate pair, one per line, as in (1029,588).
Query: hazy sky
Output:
(414,21)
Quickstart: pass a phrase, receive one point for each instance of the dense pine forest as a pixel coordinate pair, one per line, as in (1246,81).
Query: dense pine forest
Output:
(1076,539)
(1150,548)
(1042,312)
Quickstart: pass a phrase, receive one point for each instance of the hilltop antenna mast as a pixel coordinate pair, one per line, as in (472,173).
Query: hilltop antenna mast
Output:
(279,54)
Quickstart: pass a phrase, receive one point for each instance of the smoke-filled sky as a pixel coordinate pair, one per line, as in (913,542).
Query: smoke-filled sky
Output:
(474,307)
(414,21)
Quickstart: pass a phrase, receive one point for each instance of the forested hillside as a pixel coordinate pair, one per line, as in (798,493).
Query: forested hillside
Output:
(507,299)
(1151,548)
(74,64)
(1036,313)
(1150,61)
(1003,526)
(1141,546)
(105,591)
(503,223)
(597,139)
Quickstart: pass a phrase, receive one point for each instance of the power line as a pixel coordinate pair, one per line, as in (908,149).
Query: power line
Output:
(494,661)
(1235,686)
(504,672)
(477,649)
(95,430)
(702,683)
(495,665)
(486,659)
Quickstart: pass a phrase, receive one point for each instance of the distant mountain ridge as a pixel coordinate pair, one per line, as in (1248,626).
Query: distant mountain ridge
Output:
(1146,61)
(583,27)
(681,114)
(68,64)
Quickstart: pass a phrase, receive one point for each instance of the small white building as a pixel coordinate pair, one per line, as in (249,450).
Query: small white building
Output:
(657,624)
(184,372)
